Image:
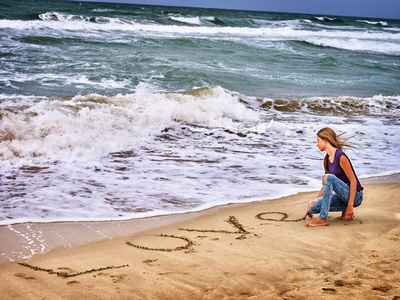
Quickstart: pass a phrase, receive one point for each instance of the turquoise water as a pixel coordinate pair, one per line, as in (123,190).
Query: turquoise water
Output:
(112,111)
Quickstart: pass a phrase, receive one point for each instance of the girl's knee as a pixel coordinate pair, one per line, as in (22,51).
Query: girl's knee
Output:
(327,177)
(311,204)
(311,207)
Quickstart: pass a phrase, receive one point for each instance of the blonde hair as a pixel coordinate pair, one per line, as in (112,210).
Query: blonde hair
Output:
(337,141)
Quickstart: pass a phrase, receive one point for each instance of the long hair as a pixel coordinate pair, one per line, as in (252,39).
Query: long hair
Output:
(337,141)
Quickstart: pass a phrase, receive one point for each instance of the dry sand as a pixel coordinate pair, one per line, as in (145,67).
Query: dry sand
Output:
(253,251)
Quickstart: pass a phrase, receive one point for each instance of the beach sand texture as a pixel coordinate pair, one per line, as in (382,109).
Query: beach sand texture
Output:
(252,251)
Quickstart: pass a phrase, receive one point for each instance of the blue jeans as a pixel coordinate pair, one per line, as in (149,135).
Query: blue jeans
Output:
(333,202)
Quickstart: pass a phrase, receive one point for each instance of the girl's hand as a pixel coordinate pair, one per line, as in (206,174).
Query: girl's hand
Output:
(349,215)
(308,214)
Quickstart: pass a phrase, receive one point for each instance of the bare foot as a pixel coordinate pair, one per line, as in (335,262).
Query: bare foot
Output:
(317,222)
(342,217)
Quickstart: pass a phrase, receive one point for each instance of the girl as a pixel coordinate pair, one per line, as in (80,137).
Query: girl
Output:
(339,177)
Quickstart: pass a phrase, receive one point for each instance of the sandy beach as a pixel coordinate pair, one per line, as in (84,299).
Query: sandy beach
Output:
(260,250)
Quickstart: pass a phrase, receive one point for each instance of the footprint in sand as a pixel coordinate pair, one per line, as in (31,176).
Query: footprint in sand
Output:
(346,283)
(382,288)
(118,278)
(24,276)
(365,276)
(329,291)
(201,236)
(72,282)
(173,273)
(149,262)
(369,253)
(377,265)
(191,251)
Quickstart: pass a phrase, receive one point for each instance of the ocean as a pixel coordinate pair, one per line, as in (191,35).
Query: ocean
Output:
(116,111)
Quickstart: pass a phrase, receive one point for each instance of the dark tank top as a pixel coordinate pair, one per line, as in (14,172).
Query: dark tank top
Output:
(335,169)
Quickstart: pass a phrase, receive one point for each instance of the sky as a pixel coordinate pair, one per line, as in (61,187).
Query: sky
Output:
(358,8)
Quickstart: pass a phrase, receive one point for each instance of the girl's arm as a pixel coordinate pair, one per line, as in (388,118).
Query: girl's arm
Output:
(345,164)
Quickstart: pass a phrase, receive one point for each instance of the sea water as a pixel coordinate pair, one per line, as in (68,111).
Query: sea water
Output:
(115,111)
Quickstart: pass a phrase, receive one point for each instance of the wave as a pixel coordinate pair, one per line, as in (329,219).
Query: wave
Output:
(198,20)
(378,23)
(103,10)
(172,12)
(369,106)
(328,20)
(87,127)
(90,126)
(216,21)
(192,20)
(363,41)
(391,48)
(286,30)
(54,16)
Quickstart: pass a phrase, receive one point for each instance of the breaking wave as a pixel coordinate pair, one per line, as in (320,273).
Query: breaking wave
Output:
(90,126)
(95,125)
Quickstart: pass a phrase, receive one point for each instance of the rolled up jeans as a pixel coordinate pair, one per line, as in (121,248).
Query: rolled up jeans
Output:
(333,202)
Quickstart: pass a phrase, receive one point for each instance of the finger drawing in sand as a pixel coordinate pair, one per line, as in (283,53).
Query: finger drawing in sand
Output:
(67,272)
(231,220)
(339,178)
(282,219)
(187,246)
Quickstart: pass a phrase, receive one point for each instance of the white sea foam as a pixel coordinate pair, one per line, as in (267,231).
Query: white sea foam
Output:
(70,23)
(84,81)
(325,18)
(377,42)
(211,19)
(192,20)
(95,125)
(103,10)
(148,153)
(353,44)
(54,16)
(59,17)
(382,23)
(88,127)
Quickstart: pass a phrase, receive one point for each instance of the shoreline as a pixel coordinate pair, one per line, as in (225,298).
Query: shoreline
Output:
(25,240)
(259,250)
